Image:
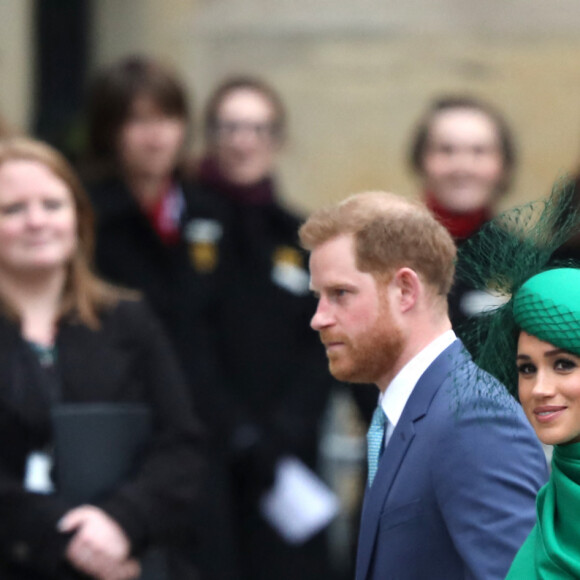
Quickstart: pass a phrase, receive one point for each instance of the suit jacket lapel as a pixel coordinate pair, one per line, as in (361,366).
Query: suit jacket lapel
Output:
(416,408)
(376,495)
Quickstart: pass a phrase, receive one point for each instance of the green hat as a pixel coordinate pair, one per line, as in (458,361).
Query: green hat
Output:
(515,255)
(547,306)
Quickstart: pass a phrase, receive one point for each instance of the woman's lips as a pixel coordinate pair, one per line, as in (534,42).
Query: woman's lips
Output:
(547,414)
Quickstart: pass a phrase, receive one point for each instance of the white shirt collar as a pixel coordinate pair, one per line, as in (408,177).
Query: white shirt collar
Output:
(396,395)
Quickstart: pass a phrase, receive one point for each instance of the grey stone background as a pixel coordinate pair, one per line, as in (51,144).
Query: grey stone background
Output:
(355,75)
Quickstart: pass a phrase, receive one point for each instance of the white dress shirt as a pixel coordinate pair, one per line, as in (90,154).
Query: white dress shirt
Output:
(396,395)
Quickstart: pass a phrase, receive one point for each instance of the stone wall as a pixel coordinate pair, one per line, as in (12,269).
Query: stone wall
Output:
(16,66)
(355,74)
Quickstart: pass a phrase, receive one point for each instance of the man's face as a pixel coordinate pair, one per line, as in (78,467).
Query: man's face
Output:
(245,143)
(354,316)
(463,165)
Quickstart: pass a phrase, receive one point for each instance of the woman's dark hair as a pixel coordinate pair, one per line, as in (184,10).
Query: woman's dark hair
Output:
(250,83)
(421,136)
(114,91)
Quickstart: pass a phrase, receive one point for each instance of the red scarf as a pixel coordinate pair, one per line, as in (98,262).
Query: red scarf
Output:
(260,193)
(460,225)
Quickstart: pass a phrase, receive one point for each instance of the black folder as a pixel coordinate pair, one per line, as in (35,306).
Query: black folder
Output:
(97,446)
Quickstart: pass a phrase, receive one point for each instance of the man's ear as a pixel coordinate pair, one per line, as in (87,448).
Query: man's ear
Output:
(408,286)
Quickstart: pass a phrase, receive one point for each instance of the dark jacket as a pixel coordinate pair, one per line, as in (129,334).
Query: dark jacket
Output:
(275,378)
(240,324)
(128,359)
(182,282)
(241,327)
(275,368)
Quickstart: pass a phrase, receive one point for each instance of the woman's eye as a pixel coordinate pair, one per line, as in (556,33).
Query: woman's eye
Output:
(526,369)
(564,364)
(11,209)
(53,204)
(444,149)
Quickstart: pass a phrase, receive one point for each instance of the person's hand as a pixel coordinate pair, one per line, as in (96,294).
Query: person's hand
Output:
(99,546)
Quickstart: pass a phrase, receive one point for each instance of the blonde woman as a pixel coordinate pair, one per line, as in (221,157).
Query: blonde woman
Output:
(67,337)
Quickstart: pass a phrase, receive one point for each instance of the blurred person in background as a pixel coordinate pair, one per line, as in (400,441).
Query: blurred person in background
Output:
(463,152)
(274,366)
(68,337)
(158,235)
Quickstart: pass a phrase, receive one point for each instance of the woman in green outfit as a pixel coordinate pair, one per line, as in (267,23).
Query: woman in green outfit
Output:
(547,311)
(532,345)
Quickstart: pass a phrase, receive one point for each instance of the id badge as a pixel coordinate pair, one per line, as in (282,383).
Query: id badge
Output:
(37,474)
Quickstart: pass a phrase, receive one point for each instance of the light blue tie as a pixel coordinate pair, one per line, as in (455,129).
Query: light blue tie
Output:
(375,438)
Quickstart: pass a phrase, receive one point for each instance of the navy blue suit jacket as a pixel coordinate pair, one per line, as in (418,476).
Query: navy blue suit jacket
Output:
(454,494)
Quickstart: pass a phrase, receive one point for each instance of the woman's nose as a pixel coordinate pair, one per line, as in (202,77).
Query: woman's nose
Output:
(35,216)
(544,386)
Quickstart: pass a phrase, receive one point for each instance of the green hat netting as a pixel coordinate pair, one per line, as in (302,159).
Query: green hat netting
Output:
(506,253)
(548,307)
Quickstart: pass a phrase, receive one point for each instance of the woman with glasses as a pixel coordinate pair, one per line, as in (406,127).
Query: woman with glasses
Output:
(276,383)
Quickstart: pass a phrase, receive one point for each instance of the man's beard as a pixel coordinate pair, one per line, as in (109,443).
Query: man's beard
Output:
(373,354)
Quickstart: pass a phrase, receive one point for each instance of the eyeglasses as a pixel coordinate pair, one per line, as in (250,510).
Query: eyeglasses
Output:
(262,131)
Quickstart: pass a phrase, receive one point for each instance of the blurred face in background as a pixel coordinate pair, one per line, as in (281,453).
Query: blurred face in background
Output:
(462,165)
(245,142)
(150,141)
(38,225)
